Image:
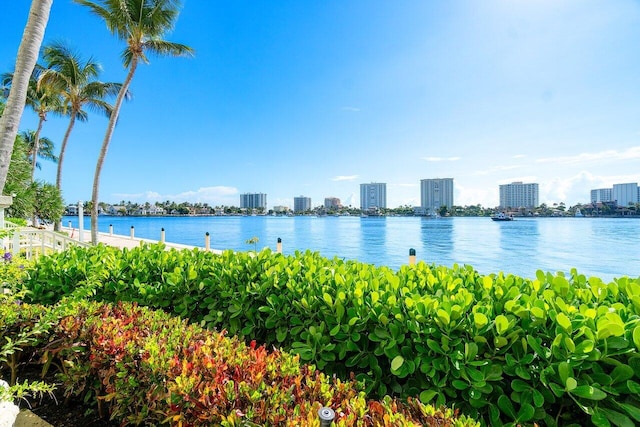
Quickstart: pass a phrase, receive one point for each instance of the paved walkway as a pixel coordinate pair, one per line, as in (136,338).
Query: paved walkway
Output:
(121,241)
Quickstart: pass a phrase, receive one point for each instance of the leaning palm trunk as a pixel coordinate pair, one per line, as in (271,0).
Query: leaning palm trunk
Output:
(36,146)
(34,156)
(25,63)
(58,225)
(113,118)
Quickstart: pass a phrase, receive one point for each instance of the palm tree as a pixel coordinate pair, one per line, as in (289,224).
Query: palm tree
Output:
(42,99)
(76,82)
(45,148)
(141,24)
(25,63)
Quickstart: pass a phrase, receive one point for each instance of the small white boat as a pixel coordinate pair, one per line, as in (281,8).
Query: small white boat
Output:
(501,216)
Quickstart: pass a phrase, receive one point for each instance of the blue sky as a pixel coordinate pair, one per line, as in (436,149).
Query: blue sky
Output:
(313,98)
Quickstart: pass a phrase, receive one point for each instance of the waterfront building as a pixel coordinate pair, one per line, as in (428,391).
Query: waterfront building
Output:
(253,201)
(332,203)
(519,195)
(625,194)
(435,193)
(281,209)
(373,195)
(301,204)
(600,195)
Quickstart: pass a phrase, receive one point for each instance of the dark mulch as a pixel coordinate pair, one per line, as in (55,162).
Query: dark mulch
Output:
(58,411)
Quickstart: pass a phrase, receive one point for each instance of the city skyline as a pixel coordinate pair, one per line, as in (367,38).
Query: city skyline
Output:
(339,93)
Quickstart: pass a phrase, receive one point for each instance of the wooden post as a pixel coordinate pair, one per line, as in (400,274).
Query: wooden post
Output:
(207,241)
(412,256)
(279,246)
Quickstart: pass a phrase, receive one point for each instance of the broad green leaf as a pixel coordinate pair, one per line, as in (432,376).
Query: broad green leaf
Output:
(564,322)
(632,410)
(375,296)
(621,373)
(571,384)
(636,337)
(589,392)
(505,405)
(502,324)
(327,298)
(526,412)
(480,320)
(397,363)
(427,395)
(443,316)
(617,418)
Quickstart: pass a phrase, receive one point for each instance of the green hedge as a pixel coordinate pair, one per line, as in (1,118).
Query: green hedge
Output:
(502,348)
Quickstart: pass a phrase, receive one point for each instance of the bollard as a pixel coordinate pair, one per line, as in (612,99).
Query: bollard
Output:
(279,246)
(69,224)
(207,241)
(412,256)
(326,416)
(80,221)
(132,232)
(110,229)
(162,235)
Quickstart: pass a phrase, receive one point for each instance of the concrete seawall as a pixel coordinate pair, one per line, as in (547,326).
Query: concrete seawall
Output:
(121,241)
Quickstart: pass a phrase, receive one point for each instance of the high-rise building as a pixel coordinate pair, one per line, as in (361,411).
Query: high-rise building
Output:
(518,195)
(373,195)
(332,203)
(301,204)
(253,201)
(601,195)
(435,193)
(625,194)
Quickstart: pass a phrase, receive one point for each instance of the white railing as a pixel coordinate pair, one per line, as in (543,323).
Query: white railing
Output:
(29,242)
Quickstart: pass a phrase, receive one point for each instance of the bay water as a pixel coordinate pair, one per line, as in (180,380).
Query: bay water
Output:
(601,247)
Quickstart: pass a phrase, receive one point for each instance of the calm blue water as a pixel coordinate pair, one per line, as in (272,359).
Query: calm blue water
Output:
(600,247)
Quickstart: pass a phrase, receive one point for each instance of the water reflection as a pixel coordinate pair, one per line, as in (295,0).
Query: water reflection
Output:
(600,247)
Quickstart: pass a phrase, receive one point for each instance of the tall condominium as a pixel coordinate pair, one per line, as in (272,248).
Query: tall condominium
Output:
(373,195)
(625,194)
(253,201)
(601,195)
(435,193)
(301,204)
(332,203)
(518,195)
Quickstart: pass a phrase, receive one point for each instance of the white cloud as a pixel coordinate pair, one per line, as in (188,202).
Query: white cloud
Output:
(519,156)
(628,154)
(344,178)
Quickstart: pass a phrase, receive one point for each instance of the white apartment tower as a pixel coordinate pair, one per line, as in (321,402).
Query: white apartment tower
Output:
(600,195)
(332,202)
(625,194)
(253,201)
(435,193)
(373,195)
(301,204)
(518,195)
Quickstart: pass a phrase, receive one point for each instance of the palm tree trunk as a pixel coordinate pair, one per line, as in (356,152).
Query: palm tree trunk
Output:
(34,156)
(58,225)
(105,146)
(36,143)
(25,62)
